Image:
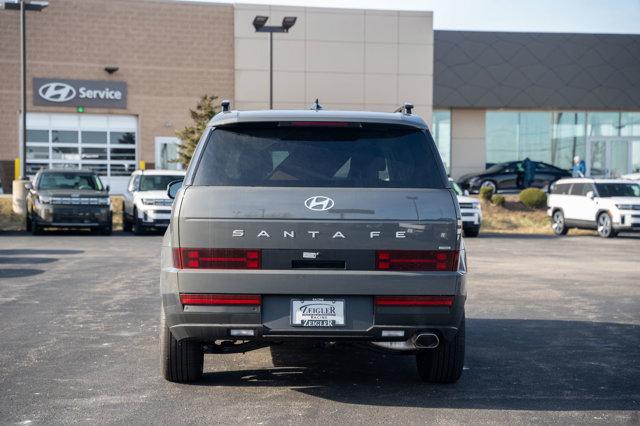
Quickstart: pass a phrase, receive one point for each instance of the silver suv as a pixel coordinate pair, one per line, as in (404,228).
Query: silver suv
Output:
(314,225)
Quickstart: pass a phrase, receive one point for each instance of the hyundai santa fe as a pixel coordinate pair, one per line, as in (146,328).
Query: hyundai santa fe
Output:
(146,204)
(607,205)
(319,226)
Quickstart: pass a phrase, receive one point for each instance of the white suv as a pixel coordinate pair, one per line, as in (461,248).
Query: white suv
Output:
(469,210)
(607,205)
(146,203)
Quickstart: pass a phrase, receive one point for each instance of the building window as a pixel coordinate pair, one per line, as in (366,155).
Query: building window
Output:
(514,136)
(550,137)
(603,124)
(568,138)
(441,131)
(501,129)
(105,144)
(630,124)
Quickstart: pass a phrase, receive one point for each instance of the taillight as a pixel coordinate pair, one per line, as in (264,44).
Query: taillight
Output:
(219,299)
(414,301)
(417,260)
(203,258)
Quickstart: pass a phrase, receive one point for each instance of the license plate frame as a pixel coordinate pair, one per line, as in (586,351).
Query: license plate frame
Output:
(324,318)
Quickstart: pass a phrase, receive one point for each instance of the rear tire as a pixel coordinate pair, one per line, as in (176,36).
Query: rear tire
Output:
(180,362)
(35,228)
(605,225)
(471,232)
(558,223)
(126,225)
(444,363)
(138,229)
(489,184)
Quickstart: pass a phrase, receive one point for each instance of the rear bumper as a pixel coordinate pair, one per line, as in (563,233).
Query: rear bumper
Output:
(271,320)
(207,324)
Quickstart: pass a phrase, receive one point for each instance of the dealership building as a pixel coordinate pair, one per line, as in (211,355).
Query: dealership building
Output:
(110,82)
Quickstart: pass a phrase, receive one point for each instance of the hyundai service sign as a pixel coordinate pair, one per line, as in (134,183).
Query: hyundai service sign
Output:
(73,93)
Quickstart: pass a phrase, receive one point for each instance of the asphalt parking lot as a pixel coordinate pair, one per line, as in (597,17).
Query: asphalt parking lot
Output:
(553,336)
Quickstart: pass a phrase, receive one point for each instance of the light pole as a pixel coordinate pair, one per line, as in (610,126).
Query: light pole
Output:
(23,6)
(259,24)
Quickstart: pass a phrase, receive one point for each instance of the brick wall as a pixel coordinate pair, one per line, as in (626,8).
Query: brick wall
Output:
(169,54)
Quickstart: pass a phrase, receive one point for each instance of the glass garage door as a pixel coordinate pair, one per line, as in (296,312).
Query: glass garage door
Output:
(106,144)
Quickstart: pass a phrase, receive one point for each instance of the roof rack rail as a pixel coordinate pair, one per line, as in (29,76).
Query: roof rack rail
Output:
(406,108)
(316,106)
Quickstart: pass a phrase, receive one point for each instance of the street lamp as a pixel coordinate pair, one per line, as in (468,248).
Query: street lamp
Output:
(23,6)
(259,23)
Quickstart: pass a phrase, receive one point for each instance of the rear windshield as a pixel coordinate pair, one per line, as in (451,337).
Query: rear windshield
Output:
(371,156)
(156,182)
(70,181)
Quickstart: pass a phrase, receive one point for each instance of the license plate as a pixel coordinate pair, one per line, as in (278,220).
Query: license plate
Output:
(317,313)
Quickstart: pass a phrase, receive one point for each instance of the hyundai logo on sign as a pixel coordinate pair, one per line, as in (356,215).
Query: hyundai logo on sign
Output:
(319,203)
(86,93)
(57,92)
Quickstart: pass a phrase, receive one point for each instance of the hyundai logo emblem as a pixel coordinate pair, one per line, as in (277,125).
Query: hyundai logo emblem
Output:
(319,203)
(57,92)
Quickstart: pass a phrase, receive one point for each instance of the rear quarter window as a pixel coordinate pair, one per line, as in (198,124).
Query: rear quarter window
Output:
(282,155)
(560,188)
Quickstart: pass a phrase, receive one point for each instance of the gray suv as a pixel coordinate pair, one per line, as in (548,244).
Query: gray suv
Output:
(314,225)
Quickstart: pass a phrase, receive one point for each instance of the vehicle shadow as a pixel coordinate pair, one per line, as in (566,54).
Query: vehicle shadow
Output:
(510,364)
(27,260)
(515,236)
(19,252)
(19,273)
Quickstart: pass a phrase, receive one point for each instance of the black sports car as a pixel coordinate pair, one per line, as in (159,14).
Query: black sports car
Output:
(510,176)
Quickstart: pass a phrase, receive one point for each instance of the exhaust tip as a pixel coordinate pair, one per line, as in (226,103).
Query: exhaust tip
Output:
(426,341)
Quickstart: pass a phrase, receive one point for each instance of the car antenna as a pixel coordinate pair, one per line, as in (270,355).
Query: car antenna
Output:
(316,106)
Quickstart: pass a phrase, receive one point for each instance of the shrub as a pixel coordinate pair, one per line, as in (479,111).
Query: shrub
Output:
(486,193)
(497,200)
(534,198)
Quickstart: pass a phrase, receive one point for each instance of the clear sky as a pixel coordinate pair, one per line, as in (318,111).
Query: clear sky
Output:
(582,16)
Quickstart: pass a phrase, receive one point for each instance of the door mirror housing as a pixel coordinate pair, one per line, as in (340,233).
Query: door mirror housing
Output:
(466,192)
(173,188)
(591,195)
(28,186)
(107,188)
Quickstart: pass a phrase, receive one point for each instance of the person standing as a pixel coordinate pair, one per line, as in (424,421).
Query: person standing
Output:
(579,168)
(529,172)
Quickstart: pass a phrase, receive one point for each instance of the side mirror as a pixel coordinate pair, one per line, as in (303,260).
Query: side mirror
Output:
(466,192)
(591,195)
(108,188)
(28,186)
(173,188)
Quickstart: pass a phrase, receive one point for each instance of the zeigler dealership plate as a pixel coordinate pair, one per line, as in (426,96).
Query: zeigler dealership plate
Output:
(317,313)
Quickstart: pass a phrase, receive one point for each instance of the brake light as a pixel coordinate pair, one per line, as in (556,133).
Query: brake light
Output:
(417,260)
(414,301)
(319,124)
(202,258)
(219,299)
